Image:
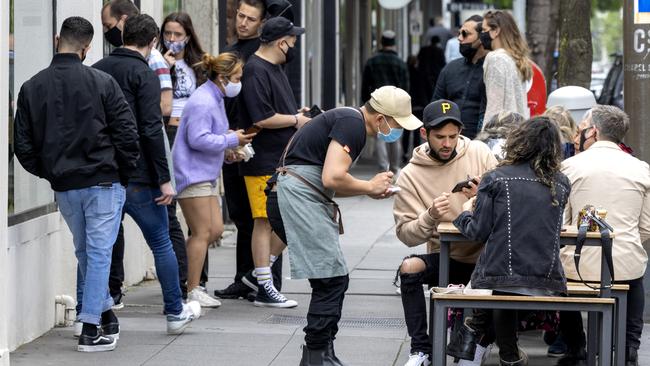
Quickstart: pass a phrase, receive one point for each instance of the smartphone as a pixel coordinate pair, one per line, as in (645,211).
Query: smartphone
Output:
(313,112)
(253,129)
(464,184)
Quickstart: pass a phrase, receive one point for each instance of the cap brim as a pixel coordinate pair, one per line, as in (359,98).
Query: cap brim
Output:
(410,122)
(296,31)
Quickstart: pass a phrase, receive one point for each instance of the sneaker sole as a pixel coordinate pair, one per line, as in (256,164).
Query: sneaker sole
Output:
(555,355)
(179,330)
(102,348)
(115,336)
(212,306)
(274,305)
(252,286)
(118,306)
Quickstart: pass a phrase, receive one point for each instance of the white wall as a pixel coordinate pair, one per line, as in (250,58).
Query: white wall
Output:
(4,112)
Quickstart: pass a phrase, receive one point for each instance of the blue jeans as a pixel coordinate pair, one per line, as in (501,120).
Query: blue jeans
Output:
(93,215)
(153,222)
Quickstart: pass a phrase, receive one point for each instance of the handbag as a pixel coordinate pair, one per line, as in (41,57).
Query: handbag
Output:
(591,219)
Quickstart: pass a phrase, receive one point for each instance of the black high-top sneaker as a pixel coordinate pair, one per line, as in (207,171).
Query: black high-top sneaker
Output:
(91,340)
(110,325)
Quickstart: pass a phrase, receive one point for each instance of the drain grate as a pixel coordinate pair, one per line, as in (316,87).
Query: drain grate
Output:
(344,323)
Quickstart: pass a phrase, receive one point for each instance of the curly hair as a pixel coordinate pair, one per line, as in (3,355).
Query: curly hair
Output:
(536,142)
(500,125)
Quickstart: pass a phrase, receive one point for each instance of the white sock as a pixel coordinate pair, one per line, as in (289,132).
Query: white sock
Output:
(272,259)
(263,275)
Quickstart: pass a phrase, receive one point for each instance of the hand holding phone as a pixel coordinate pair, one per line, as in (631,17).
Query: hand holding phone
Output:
(394,189)
(313,112)
(463,184)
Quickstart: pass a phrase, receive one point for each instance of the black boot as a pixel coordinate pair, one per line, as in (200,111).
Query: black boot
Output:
(463,343)
(631,357)
(332,356)
(312,357)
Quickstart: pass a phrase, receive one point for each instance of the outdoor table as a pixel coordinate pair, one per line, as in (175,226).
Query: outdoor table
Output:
(449,234)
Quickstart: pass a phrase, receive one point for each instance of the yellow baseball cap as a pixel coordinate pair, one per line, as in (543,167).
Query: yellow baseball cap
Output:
(395,102)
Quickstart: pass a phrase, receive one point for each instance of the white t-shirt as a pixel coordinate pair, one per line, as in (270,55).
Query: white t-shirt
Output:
(185,86)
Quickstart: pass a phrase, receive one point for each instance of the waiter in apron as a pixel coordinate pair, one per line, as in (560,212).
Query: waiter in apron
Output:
(314,167)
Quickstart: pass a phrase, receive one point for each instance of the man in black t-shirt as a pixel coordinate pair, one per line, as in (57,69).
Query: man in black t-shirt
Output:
(315,168)
(268,103)
(248,22)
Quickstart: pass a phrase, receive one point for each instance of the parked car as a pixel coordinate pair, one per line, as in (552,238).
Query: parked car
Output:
(612,89)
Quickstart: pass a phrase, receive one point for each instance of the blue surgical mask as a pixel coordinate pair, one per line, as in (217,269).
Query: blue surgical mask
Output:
(176,46)
(393,135)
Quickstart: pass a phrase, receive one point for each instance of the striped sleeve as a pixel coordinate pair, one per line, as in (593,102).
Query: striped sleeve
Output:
(158,64)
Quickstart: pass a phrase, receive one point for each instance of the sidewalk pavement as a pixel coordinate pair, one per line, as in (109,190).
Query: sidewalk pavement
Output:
(372,330)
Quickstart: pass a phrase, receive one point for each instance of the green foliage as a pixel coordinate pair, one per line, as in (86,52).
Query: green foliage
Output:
(170,6)
(607,31)
(606,5)
(499,4)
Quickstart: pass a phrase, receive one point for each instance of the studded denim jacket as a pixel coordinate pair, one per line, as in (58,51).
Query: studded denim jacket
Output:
(515,216)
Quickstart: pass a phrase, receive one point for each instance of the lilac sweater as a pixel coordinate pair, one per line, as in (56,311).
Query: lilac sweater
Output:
(202,138)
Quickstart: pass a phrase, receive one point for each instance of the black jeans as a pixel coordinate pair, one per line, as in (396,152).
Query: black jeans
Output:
(414,302)
(116,276)
(504,323)
(571,325)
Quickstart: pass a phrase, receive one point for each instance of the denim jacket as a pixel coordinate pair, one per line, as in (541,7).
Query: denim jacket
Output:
(515,217)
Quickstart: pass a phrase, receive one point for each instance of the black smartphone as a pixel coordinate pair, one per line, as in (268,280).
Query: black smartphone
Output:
(464,184)
(314,111)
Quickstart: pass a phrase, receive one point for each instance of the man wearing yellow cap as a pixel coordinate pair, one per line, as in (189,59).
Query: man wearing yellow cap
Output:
(314,167)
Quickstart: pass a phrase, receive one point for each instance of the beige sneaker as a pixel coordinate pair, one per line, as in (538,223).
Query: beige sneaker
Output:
(205,300)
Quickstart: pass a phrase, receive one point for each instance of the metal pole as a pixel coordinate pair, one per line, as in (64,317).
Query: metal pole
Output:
(636,66)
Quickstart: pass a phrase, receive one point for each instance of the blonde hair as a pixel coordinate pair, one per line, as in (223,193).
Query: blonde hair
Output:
(565,122)
(511,39)
(225,64)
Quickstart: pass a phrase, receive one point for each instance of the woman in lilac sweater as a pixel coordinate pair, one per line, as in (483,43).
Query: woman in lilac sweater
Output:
(198,154)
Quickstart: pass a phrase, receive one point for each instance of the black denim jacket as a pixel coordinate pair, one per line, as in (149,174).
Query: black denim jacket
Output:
(514,215)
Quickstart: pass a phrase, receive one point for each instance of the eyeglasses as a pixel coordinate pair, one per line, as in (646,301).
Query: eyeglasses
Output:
(243,16)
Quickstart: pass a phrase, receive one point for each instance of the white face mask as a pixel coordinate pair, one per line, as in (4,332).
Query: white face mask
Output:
(232,89)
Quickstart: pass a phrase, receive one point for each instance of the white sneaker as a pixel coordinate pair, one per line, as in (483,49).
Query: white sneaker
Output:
(418,359)
(205,300)
(480,356)
(176,324)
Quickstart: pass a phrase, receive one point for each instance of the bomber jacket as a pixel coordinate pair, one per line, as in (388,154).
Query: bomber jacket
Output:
(141,88)
(73,126)
(514,215)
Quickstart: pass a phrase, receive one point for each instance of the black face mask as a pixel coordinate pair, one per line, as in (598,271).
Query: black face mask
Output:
(486,40)
(290,54)
(468,51)
(114,36)
(583,138)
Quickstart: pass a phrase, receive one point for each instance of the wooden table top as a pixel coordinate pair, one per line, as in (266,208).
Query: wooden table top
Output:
(568,231)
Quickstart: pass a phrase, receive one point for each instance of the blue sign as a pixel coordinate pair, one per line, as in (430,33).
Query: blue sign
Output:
(644,6)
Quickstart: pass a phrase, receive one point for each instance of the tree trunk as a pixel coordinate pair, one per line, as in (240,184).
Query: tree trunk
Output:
(541,33)
(576,53)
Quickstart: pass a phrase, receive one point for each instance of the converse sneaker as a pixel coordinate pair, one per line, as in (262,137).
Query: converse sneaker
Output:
(418,359)
(205,300)
(268,296)
(176,324)
(250,280)
(97,343)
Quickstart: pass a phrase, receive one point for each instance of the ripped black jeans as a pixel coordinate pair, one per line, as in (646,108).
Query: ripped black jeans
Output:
(414,302)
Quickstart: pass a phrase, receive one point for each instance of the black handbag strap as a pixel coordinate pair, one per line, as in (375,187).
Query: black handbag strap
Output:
(606,242)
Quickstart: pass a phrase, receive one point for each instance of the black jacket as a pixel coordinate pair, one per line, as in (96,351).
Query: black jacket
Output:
(141,88)
(520,227)
(462,82)
(73,126)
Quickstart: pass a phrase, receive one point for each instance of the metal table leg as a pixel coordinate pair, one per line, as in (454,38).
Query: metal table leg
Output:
(592,337)
(605,337)
(439,325)
(621,326)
